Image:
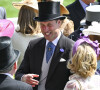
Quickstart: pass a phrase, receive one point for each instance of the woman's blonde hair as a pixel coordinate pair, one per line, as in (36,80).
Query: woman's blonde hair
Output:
(84,61)
(67,26)
(26,22)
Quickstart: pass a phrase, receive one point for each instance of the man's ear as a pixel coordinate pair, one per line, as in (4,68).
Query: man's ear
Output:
(14,68)
(59,22)
(15,65)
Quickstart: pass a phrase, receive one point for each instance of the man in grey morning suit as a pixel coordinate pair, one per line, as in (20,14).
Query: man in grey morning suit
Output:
(8,67)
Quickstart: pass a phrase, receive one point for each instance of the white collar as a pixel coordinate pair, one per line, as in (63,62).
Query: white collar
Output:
(82,29)
(83,5)
(54,41)
(8,74)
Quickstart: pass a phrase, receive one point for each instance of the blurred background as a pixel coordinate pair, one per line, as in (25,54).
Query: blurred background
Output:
(13,12)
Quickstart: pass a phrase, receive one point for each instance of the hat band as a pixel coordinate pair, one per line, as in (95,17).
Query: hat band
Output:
(48,17)
(88,22)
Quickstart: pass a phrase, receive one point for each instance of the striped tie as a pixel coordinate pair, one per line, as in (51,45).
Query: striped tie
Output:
(49,51)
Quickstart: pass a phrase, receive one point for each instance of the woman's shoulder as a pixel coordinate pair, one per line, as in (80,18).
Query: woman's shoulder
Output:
(26,36)
(23,39)
(76,82)
(73,83)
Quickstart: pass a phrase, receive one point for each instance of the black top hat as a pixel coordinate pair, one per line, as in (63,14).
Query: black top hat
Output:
(92,14)
(8,55)
(49,11)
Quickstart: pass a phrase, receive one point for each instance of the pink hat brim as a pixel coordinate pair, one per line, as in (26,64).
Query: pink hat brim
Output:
(6,28)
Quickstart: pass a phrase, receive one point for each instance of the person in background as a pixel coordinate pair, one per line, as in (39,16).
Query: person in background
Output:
(67,27)
(28,28)
(25,20)
(94,34)
(44,63)
(92,14)
(8,66)
(77,11)
(2,13)
(83,65)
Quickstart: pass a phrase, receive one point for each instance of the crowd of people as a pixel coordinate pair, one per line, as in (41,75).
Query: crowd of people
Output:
(52,47)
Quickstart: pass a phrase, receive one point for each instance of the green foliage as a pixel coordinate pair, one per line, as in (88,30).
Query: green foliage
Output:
(13,12)
(67,2)
(10,10)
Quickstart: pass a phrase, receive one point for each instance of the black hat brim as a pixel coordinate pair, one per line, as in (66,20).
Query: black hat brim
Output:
(44,19)
(16,56)
(84,22)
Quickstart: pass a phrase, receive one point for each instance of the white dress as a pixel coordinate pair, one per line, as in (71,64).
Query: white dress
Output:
(90,83)
(20,42)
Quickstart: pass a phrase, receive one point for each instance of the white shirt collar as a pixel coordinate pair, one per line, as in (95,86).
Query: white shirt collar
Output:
(54,41)
(83,5)
(7,74)
(81,29)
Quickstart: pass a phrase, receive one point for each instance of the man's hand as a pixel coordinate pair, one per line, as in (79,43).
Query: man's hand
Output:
(29,78)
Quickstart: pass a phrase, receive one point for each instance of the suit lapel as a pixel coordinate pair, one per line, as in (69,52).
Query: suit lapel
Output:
(39,59)
(56,57)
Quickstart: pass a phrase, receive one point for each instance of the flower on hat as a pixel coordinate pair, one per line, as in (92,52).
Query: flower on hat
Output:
(82,39)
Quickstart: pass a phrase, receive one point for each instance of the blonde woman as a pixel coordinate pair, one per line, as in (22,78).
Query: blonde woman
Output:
(83,65)
(67,27)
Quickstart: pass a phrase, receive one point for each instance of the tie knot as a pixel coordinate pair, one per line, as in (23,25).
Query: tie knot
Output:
(50,45)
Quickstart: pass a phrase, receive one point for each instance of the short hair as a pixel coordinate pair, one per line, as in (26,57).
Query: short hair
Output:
(7,70)
(84,61)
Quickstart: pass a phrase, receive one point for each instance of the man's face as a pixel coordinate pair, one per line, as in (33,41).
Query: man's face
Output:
(88,1)
(50,29)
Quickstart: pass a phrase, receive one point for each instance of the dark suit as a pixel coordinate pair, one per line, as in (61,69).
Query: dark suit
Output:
(2,13)
(98,0)
(77,13)
(75,35)
(7,83)
(58,73)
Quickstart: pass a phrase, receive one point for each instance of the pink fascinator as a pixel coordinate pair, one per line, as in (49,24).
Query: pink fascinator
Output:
(86,39)
(6,28)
